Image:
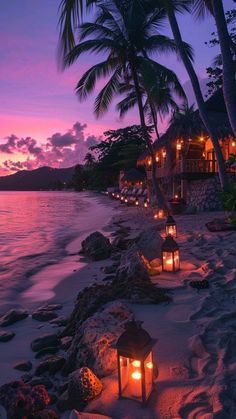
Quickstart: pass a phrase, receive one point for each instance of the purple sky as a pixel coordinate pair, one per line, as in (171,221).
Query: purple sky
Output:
(38,104)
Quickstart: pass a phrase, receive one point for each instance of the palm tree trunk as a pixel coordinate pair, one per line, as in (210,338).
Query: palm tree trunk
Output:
(229,83)
(154,118)
(199,97)
(161,200)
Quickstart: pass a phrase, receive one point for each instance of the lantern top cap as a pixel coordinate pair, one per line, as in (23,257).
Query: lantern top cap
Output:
(169,244)
(134,338)
(170,220)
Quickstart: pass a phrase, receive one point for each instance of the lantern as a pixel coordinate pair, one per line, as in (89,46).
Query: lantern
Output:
(171,228)
(157,158)
(160,213)
(149,162)
(122,198)
(117,196)
(178,146)
(145,203)
(136,202)
(135,363)
(164,153)
(233,144)
(126,200)
(170,255)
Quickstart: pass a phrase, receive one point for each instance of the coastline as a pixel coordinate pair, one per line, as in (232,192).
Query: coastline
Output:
(190,365)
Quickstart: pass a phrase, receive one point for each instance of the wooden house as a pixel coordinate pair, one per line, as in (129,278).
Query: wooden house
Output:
(186,163)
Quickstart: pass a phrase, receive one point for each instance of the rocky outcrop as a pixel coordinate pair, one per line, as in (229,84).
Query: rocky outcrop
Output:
(13,316)
(45,341)
(23,366)
(52,365)
(220,224)
(46,312)
(22,400)
(93,343)
(84,385)
(6,336)
(96,246)
(202,195)
(149,243)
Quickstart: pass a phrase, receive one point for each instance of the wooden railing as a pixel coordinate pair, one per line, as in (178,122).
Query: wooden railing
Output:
(186,166)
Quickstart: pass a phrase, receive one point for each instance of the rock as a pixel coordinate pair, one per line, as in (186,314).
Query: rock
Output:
(36,381)
(87,415)
(93,344)
(64,403)
(66,342)
(51,365)
(21,400)
(84,386)
(44,316)
(59,321)
(26,378)
(131,267)
(110,269)
(96,246)
(149,243)
(13,316)
(6,336)
(50,307)
(23,366)
(120,243)
(47,351)
(45,341)
(220,224)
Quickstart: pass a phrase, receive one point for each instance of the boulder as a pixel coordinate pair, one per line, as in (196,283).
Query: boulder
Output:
(66,342)
(21,400)
(149,243)
(86,415)
(47,351)
(47,414)
(13,316)
(96,246)
(44,316)
(93,344)
(220,224)
(44,341)
(23,366)
(51,365)
(83,386)
(6,336)
(59,321)
(131,266)
(44,381)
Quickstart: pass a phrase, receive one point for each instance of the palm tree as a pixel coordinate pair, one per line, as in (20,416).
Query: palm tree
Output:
(184,123)
(122,34)
(172,7)
(227,48)
(89,160)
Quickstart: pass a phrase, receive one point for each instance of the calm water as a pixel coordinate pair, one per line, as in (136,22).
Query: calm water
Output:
(34,230)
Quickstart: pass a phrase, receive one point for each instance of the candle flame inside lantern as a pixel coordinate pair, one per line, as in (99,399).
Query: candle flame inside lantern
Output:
(149,365)
(136,375)
(136,363)
(233,143)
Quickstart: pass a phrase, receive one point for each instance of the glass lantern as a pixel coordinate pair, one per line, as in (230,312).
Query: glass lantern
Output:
(170,255)
(145,204)
(135,363)
(136,202)
(171,228)
(126,200)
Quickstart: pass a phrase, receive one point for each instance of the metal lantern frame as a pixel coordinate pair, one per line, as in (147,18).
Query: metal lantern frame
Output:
(170,222)
(135,345)
(170,247)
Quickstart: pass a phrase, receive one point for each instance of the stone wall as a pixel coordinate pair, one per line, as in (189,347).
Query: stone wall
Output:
(202,195)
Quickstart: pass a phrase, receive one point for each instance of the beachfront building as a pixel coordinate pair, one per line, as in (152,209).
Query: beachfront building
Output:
(186,165)
(131,178)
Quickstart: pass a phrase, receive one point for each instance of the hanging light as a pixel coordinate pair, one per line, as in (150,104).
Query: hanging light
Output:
(135,363)
(171,228)
(170,255)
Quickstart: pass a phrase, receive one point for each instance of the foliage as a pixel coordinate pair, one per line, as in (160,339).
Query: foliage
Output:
(215,72)
(228,198)
(118,151)
(185,124)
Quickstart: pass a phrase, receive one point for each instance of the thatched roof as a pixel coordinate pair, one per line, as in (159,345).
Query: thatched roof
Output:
(133,175)
(217,114)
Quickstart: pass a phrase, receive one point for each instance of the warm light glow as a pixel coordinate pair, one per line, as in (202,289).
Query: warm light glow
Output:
(117,196)
(156,216)
(233,143)
(157,159)
(136,202)
(160,213)
(122,198)
(201,139)
(136,375)
(145,204)
(136,363)
(164,153)
(149,365)
(149,162)
(176,196)
(178,146)
(126,200)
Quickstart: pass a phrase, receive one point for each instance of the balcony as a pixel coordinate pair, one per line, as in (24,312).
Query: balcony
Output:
(187,167)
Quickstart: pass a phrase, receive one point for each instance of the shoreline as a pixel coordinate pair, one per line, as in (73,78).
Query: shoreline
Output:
(188,364)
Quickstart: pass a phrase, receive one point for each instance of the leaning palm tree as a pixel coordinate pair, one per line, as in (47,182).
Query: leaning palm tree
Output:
(89,160)
(122,33)
(179,6)
(227,47)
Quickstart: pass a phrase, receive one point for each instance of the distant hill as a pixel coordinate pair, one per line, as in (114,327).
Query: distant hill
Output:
(34,180)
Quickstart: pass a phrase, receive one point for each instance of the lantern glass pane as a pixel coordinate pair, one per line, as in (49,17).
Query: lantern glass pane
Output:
(168,259)
(148,369)
(176,260)
(131,378)
(171,231)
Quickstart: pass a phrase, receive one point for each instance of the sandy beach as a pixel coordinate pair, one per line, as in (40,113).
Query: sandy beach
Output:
(195,351)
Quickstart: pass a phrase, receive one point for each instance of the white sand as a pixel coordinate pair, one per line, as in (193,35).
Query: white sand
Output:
(195,352)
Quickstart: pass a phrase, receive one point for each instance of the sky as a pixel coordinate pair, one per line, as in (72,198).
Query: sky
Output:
(42,121)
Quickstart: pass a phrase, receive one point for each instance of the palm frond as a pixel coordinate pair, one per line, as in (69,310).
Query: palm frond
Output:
(106,95)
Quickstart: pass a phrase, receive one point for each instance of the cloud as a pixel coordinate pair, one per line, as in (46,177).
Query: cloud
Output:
(60,150)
